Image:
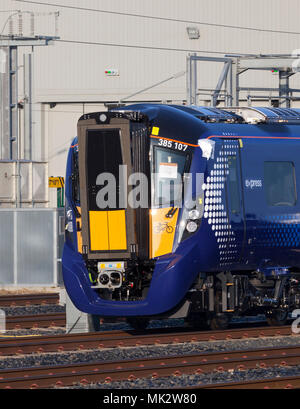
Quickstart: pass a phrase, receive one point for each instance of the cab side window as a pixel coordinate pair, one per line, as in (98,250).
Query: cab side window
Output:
(280,183)
(233,185)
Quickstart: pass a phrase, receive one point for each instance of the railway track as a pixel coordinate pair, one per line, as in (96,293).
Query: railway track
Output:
(29,299)
(113,339)
(36,321)
(106,372)
(286,382)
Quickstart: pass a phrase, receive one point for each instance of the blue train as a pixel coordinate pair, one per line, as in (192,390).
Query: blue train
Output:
(184,211)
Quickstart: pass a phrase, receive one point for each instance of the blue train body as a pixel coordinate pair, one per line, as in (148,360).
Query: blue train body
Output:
(244,253)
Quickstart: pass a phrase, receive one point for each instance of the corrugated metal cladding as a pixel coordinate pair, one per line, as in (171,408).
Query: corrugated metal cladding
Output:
(76,72)
(30,247)
(147,42)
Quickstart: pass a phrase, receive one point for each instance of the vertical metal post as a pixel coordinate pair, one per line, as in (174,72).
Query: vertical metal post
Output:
(284,89)
(13,101)
(191,79)
(55,246)
(220,83)
(235,82)
(229,87)
(227,92)
(60,197)
(188,79)
(194,79)
(28,106)
(9,128)
(4,103)
(15,241)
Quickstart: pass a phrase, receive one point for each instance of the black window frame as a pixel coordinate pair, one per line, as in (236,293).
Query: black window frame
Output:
(187,156)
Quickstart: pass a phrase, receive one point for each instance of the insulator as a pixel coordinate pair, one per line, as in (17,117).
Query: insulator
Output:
(11,27)
(20,21)
(32,28)
(56,23)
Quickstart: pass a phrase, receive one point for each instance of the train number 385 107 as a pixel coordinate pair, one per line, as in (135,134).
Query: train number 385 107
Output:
(172,144)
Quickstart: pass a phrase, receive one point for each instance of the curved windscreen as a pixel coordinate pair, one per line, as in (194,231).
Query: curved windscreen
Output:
(169,167)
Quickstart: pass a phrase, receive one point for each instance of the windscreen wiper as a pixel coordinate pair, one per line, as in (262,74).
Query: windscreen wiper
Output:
(171,212)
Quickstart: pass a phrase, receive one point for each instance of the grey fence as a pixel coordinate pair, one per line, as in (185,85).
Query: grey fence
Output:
(31,242)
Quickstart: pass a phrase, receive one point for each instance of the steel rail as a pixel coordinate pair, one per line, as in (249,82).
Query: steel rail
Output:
(103,371)
(36,321)
(288,382)
(29,299)
(113,339)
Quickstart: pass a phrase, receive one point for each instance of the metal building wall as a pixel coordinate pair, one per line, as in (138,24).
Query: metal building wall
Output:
(145,51)
(30,247)
(80,75)
(70,71)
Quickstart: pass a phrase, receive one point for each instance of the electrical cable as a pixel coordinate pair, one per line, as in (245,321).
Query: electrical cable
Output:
(145,47)
(159,18)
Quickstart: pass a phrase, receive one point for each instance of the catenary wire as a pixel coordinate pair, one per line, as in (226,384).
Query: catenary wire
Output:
(160,18)
(146,47)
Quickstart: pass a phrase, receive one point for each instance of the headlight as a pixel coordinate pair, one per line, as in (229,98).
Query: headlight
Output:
(194,214)
(69,215)
(189,224)
(191,227)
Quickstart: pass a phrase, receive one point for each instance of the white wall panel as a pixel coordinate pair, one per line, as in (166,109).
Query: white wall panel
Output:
(72,72)
(145,51)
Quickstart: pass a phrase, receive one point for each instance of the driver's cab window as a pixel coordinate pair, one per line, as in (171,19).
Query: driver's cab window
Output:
(169,168)
(280,183)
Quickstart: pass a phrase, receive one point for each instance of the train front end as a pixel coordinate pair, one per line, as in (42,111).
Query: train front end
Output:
(131,204)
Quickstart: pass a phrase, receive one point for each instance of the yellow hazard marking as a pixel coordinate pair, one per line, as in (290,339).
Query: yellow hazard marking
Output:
(241,143)
(57,182)
(155,131)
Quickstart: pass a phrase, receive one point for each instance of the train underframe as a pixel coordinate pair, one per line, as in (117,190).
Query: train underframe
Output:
(215,297)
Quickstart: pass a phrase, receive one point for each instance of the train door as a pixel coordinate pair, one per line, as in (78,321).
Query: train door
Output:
(234,240)
(108,230)
(271,205)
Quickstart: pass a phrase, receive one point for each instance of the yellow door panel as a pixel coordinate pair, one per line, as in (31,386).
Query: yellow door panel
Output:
(162,231)
(99,230)
(117,230)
